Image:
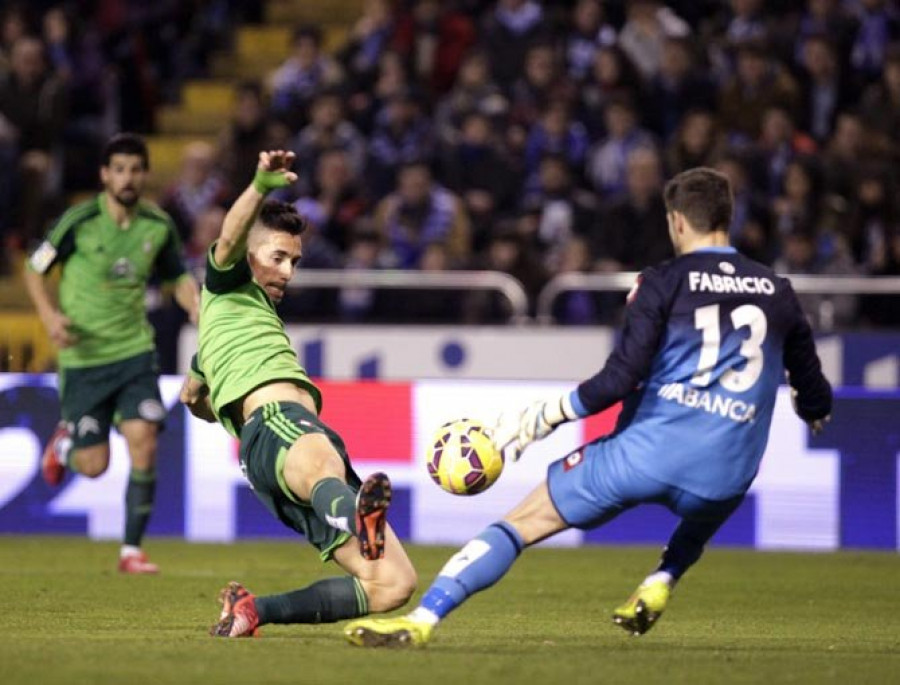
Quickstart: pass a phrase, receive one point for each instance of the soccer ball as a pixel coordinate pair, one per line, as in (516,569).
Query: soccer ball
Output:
(462,459)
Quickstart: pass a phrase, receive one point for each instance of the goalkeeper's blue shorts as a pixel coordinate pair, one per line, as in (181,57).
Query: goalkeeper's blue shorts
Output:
(594,484)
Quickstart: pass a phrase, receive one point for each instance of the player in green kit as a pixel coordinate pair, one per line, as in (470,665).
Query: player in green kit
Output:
(246,376)
(107,248)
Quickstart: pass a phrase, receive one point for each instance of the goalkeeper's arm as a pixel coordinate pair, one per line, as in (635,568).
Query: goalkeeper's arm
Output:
(273,171)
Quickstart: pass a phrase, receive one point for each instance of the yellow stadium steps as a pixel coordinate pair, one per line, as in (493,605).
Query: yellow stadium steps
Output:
(306,12)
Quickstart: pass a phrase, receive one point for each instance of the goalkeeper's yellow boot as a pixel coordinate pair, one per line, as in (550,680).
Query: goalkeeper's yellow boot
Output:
(388,632)
(643,608)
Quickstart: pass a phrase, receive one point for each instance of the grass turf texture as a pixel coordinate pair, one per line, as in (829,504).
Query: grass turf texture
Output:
(739,616)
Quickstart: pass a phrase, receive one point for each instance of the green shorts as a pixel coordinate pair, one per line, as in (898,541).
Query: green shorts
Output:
(92,398)
(265,440)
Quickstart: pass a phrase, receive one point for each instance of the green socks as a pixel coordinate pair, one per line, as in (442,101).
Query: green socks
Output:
(139,497)
(335,503)
(326,601)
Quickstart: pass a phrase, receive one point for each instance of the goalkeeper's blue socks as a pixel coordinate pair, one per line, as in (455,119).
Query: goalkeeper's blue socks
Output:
(478,565)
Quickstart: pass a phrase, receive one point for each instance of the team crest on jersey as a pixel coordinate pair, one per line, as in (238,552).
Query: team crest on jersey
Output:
(573,460)
(727,267)
(629,298)
(123,270)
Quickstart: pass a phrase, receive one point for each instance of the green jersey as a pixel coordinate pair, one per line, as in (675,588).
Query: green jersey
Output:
(105,269)
(242,343)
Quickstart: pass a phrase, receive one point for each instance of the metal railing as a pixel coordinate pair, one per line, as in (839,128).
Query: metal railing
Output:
(623,282)
(394,279)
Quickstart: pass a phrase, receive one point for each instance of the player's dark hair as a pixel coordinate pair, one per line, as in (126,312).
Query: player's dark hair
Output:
(703,197)
(281,216)
(126,144)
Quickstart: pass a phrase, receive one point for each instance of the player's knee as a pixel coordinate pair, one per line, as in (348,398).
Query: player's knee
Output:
(91,463)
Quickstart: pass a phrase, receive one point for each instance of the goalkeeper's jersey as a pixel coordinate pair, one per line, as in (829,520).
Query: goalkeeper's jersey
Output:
(707,339)
(242,343)
(105,269)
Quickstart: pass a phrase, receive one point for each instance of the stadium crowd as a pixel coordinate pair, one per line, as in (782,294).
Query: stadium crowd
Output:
(527,137)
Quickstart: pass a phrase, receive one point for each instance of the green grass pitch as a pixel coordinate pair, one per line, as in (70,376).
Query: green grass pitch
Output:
(738,617)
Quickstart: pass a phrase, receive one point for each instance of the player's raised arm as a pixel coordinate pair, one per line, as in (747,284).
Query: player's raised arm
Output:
(273,171)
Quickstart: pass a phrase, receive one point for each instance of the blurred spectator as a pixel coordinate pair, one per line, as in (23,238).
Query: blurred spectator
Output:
(632,232)
(302,76)
(826,18)
(199,187)
(759,83)
(328,129)
(556,210)
(878,27)
(357,303)
(680,85)
(843,155)
(557,134)
(419,213)
(32,115)
(433,38)
(402,135)
(799,256)
(508,252)
(697,142)
(778,145)
(881,106)
(747,22)
(797,208)
(204,232)
(474,92)
(369,99)
(612,77)
(884,310)
(576,307)
(606,165)
(477,170)
(509,31)
(541,83)
(248,132)
(874,219)
(648,25)
(824,91)
(13,26)
(335,202)
(369,38)
(750,230)
(588,33)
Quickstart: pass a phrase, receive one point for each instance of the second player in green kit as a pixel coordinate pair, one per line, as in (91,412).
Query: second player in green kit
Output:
(107,249)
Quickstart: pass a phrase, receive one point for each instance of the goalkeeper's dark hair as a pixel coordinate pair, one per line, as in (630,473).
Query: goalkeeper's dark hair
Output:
(126,144)
(281,216)
(703,197)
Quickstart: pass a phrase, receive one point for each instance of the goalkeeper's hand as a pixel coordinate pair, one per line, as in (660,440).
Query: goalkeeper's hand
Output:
(273,171)
(517,429)
(815,425)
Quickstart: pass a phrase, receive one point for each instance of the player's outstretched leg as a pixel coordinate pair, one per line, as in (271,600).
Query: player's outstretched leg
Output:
(372,502)
(477,566)
(238,617)
(53,462)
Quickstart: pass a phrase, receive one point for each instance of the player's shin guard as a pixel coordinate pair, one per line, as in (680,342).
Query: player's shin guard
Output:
(477,566)
(139,498)
(335,503)
(326,601)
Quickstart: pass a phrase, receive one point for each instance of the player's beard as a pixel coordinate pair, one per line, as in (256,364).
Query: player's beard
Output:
(127,197)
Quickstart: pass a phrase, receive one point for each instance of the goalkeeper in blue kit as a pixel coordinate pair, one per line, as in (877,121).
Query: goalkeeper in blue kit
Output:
(707,339)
